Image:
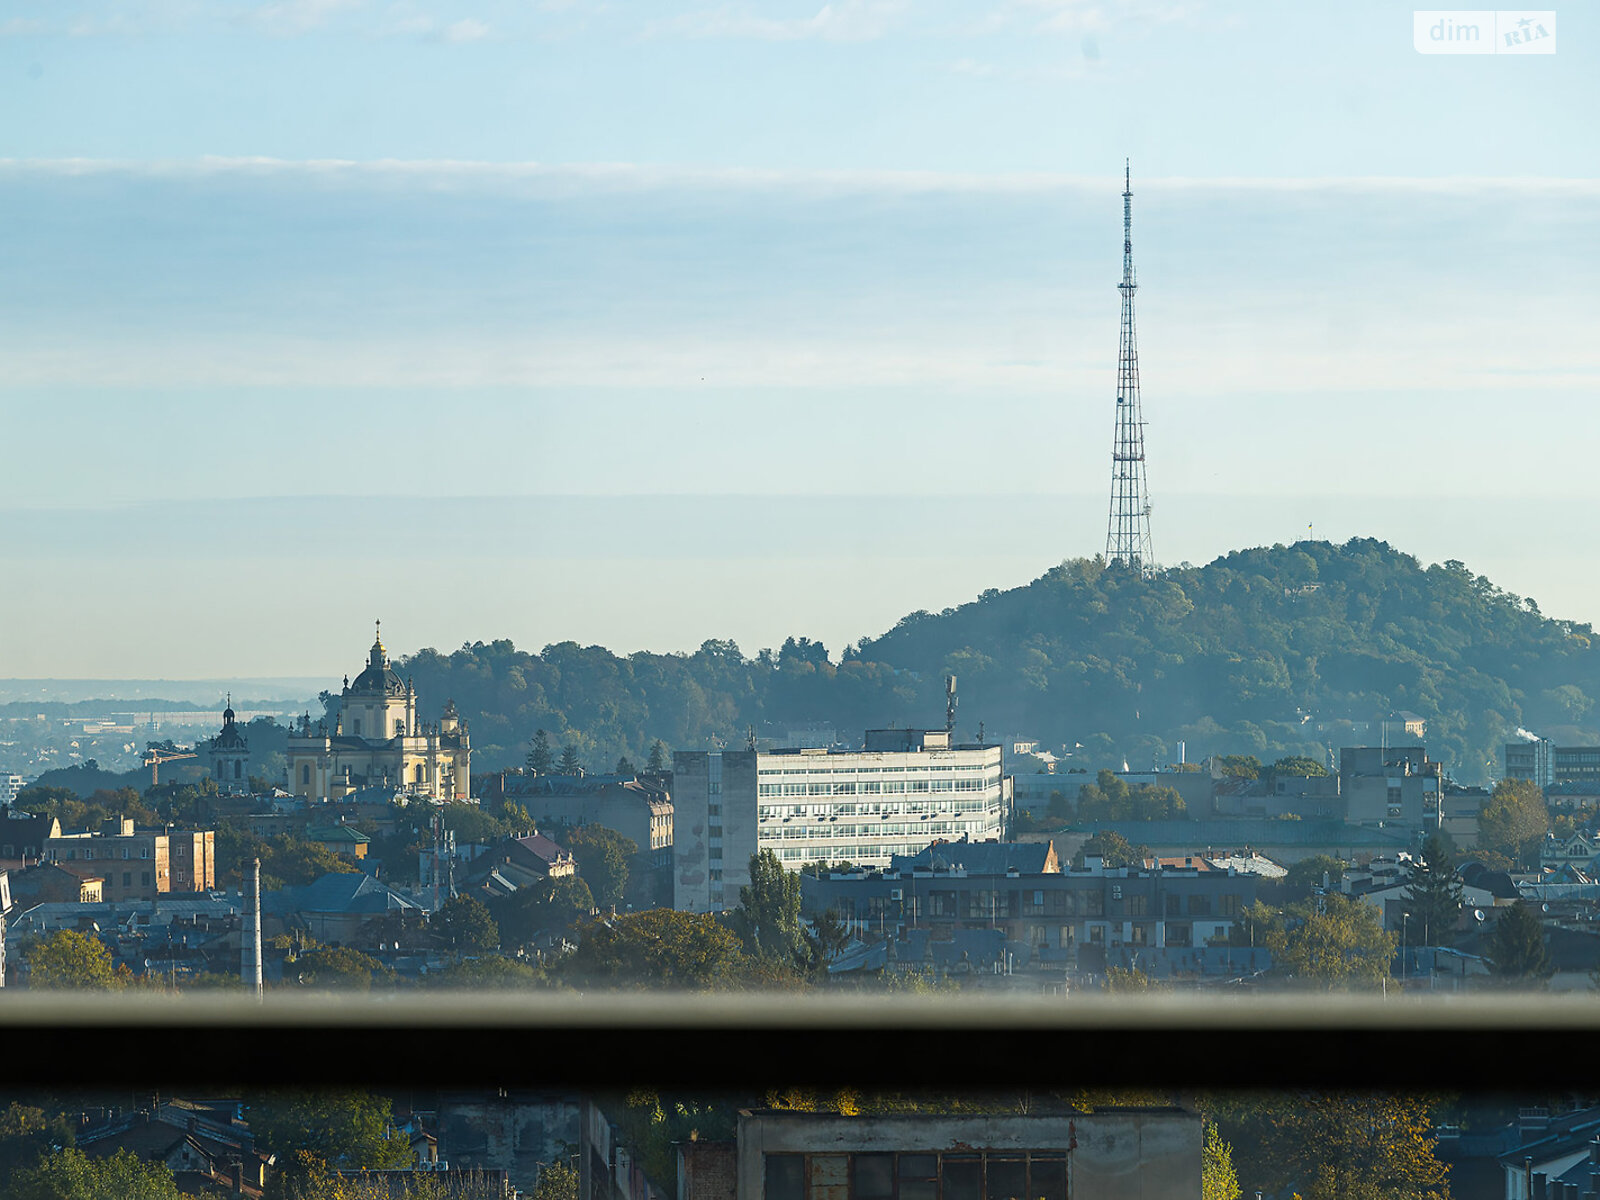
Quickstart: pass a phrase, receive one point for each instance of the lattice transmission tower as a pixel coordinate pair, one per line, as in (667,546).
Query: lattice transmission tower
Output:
(1128,529)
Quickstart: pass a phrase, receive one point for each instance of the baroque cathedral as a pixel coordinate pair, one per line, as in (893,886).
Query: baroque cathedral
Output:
(377,741)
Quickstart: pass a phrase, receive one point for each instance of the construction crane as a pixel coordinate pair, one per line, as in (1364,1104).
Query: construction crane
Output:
(156,753)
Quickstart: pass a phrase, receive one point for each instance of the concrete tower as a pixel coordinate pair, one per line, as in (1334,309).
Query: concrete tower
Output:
(250,931)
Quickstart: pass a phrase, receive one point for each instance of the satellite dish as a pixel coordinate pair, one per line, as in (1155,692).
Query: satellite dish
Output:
(1544,908)
(1477,914)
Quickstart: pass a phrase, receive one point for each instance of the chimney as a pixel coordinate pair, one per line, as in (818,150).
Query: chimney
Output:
(250,931)
(1594,1151)
(1538,1189)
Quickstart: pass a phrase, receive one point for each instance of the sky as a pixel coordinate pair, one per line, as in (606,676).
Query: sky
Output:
(650,323)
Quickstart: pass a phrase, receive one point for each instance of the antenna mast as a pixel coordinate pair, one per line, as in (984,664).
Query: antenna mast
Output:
(1128,529)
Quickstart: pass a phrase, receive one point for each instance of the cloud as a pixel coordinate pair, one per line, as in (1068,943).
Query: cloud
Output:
(844,21)
(21,27)
(470,29)
(291,17)
(1087,17)
(571,178)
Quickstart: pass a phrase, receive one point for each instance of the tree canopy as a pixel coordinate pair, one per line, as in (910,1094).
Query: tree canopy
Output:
(659,948)
(1514,821)
(603,857)
(1110,798)
(1332,942)
(1336,1145)
(1433,895)
(1517,953)
(69,1174)
(338,968)
(342,1128)
(1220,656)
(768,916)
(466,924)
(69,959)
(1218,1180)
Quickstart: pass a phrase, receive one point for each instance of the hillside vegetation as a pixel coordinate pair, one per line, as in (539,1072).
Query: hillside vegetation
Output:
(1267,651)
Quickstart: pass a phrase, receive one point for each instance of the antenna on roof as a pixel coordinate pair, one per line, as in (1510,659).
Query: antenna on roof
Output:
(950,704)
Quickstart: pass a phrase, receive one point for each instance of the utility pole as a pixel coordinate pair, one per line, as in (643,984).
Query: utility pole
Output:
(1128,527)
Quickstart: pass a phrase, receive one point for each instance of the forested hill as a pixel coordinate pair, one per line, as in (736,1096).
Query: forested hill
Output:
(1266,651)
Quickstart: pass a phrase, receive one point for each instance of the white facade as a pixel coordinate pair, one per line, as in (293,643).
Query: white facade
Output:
(861,806)
(10,785)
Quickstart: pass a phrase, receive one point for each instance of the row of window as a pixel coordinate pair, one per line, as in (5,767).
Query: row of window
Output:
(88,853)
(999,902)
(802,769)
(887,787)
(814,833)
(769,812)
(870,853)
(890,829)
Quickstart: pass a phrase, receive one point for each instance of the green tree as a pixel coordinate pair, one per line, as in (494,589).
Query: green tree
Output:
(768,916)
(660,760)
(1309,873)
(1130,979)
(466,924)
(557,1181)
(829,936)
(658,948)
(625,767)
(570,763)
(26,1133)
(1240,766)
(540,757)
(1110,798)
(69,1174)
(490,972)
(1433,895)
(1115,849)
(342,1128)
(1347,1146)
(603,856)
(1332,941)
(338,968)
(551,905)
(1514,821)
(69,959)
(1299,766)
(302,1175)
(1218,1180)
(1516,950)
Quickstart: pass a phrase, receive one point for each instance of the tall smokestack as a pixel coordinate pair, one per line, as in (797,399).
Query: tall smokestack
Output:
(250,931)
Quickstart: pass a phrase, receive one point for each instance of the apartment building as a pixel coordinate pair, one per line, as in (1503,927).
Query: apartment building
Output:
(902,791)
(137,864)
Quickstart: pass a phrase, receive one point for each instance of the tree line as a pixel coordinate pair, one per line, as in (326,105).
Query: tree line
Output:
(1273,653)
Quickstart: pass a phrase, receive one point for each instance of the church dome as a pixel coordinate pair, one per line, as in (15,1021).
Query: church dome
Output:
(378,679)
(230,738)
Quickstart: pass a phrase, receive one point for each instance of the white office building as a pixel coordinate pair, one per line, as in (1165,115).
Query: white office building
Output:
(904,790)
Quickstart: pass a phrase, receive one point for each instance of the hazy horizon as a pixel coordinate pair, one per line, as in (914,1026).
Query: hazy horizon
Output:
(754,593)
(641,326)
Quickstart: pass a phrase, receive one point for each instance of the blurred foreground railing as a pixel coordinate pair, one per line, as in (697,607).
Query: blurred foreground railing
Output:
(570,1040)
